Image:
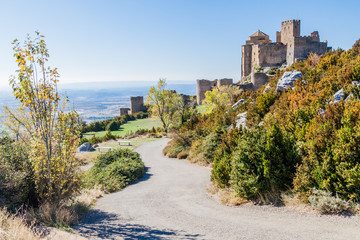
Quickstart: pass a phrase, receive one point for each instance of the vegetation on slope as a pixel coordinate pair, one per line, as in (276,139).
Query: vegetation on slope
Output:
(298,140)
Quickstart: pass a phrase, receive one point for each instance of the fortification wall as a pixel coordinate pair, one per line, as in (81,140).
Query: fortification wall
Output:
(246,86)
(271,54)
(124,111)
(258,79)
(137,104)
(302,51)
(246,60)
(224,82)
(202,86)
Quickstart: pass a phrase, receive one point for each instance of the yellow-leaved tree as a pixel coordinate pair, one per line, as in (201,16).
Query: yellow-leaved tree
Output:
(165,104)
(54,133)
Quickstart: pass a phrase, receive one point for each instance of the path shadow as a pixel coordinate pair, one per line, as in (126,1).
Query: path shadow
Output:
(99,224)
(146,176)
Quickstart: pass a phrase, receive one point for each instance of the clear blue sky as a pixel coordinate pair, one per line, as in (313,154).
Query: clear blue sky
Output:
(124,40)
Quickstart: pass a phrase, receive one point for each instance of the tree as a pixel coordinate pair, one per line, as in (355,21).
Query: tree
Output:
(222,96)
(55,133)
(163,104)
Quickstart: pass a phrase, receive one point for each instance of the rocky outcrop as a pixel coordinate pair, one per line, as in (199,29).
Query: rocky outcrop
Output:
(241,120)
(237,103)
(287,80)
(339,95)
(85,147)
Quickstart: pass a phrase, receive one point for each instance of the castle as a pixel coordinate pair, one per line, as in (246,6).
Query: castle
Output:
(260,52)
(136,105)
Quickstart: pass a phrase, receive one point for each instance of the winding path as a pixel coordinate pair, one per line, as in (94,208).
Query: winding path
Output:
(170,202)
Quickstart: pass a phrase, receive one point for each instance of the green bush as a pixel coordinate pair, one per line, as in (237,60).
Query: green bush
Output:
(116,169)
(203,150)
(94,140)
(263,164)
(222,169)
(108,136)
(17,186)
(112,126)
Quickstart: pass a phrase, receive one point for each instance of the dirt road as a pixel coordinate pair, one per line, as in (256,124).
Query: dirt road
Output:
(170,202)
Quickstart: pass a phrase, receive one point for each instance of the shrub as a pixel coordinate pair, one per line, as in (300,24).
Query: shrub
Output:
(16,176)
(264,164)
(15,228)
(203,150)
(222,169)
(112,126)
(324,202)
(116,169)
(183,155)
(108,136)
(94,140)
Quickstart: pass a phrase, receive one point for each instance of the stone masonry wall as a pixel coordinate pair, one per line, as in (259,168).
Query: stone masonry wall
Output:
(137,104)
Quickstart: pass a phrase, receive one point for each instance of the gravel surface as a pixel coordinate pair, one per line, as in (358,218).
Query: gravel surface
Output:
(171,202)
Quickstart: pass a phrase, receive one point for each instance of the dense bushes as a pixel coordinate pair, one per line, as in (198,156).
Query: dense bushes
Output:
(112,126)
(16,176)
(299,139)
(263,164)
(116,169)
(114,123)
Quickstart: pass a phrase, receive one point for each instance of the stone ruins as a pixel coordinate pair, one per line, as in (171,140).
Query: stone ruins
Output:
(136,105)
(260,51)
(261,57)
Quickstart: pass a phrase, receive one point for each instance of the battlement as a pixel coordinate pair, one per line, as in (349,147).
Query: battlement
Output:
(297,21)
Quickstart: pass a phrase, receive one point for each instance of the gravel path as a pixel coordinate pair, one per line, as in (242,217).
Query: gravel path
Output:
(171,202)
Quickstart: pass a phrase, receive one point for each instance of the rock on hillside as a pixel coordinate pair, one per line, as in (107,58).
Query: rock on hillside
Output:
(287,80)
(85,147)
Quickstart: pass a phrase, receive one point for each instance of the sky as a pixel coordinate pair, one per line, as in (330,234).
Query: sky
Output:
(144,40)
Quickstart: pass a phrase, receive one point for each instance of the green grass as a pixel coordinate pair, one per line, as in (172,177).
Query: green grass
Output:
(130,126)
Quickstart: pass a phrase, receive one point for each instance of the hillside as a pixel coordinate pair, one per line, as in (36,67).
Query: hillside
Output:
(301,139)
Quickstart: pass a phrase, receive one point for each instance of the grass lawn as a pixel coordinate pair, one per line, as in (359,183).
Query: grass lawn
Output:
(130,126)
(88,157)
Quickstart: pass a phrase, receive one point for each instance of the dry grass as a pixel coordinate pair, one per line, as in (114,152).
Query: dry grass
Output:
(67,214)
(88,197)
(296,203)
(14,228)
(225,195)
(86,157)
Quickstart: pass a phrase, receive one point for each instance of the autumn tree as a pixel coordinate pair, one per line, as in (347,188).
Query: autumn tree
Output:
(164,104)
(222,96)
(54,132)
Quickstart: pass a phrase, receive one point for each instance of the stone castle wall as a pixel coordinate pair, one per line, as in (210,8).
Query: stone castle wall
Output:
(289,47)
(137,104)
(124,111)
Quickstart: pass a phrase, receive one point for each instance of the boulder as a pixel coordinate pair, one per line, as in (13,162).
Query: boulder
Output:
(339,95)
(241,120)
(85,147)
(267,89)
(237,103)
(287,80)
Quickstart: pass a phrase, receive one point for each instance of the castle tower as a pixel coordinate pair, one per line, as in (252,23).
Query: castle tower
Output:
(136,104)
(289,30)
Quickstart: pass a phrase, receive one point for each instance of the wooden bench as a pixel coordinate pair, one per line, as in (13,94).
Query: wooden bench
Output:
(125,142)
(99,148)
